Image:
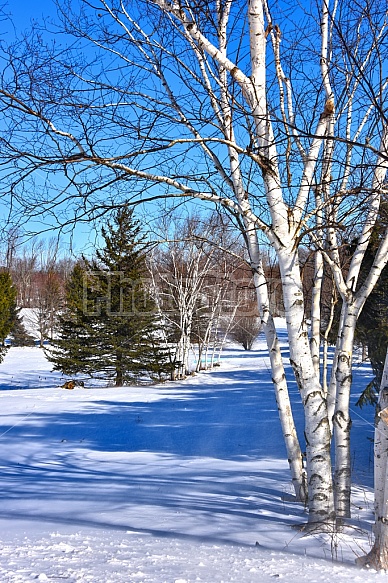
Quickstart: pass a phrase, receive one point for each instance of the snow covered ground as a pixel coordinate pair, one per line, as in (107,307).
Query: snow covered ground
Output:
(180,482)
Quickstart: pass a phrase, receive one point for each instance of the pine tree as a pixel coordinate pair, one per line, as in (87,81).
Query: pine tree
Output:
(72,351)
(7,309)
(110,328)
(372,326)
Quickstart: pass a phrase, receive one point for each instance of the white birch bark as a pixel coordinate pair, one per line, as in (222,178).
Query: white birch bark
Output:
(257,100)
(316,296)
(294,454)
(341,419)
(284,222)
(325,344)
(317,430)
(377,558)
(353,303)
(323,191)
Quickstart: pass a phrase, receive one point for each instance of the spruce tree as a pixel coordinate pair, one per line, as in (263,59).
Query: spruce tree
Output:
(111,328)
(70,352)
(372,326)
(7,309)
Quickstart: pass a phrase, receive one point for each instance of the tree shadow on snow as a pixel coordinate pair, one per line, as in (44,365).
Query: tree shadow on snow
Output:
(208,458)
(197,454)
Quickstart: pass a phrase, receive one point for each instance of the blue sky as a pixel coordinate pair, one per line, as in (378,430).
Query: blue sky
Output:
(22,14)
(24,11)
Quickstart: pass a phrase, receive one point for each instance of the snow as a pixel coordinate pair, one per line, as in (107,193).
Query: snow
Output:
(30,318)
(180,482)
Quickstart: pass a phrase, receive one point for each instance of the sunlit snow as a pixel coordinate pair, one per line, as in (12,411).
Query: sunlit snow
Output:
(181,482)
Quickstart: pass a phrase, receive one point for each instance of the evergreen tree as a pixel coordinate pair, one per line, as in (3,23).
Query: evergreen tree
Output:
(73,350)
(7,309)
(372,326)
(110,328)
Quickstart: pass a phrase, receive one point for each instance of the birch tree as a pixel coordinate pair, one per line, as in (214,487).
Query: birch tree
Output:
(353,297)
(228,103)
(193,271)
(377,558)
(181,271)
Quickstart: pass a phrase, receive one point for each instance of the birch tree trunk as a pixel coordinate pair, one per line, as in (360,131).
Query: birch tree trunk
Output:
(353,302)
(377,558)
(341,419)
(254,90)
(319,480)
(315,336)
(317,429)
(329,325)
(294,454)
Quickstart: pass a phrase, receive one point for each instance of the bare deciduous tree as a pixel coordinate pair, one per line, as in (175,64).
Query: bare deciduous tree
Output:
(192,272)
(223,102)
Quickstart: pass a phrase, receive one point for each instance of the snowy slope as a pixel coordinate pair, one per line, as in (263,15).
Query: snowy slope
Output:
(180,482)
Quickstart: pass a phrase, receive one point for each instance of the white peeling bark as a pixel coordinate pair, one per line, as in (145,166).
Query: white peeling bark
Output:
(341,381)
(285,231)
(294,454)
(325,359)
(315,335)
(258,103)
(341,419)
(317,430)
(353,302)
(377,558)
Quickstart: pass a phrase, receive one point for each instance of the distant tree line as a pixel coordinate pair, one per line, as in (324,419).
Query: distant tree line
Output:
(190,276)
(198,291)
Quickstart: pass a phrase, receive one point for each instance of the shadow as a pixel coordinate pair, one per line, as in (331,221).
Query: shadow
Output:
(124,528)
(226,415)
(162,496)
(203,456)
(188,452)
(30,381)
